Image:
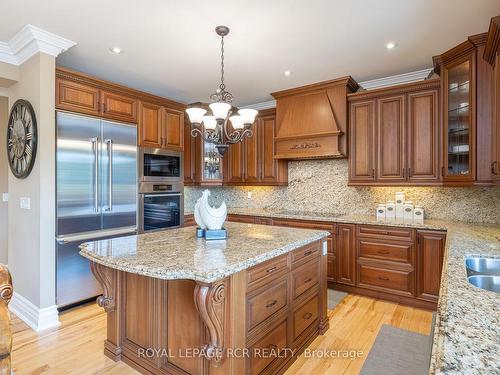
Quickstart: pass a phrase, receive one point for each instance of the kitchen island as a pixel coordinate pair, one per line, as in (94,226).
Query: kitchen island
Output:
(180,305)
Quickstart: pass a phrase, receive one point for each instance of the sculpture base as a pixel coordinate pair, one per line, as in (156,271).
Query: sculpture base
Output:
(200,233)
(215,234)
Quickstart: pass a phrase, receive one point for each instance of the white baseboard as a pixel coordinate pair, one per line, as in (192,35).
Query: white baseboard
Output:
(38,319)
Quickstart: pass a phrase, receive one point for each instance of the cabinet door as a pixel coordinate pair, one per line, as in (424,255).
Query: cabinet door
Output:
(459,120)
(391,139)
(75,97)
(252,158)
(423,136)
(345,254)
(150,134)
(430,252)
(173,129)
(332,262)
(362,142)
(495,165)
(118,107)
(234,171)
(189,155)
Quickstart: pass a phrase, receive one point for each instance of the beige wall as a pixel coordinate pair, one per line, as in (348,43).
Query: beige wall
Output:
(4,110)
(321,186)
(31,247)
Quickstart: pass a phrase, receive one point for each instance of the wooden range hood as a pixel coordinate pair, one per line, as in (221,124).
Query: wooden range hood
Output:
(311,121)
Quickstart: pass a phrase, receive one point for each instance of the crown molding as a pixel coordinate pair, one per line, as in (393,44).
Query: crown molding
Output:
(398,79)
(261,106)
(29,41)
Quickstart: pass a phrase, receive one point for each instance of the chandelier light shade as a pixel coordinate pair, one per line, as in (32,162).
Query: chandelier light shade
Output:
(211,121)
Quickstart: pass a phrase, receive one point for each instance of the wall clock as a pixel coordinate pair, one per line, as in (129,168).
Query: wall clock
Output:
(22,138)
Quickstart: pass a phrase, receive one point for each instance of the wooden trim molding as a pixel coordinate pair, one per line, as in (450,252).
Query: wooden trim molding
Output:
(107,278)
(86,79)
(210,301)
(348,81)
(395,90)
(493,41)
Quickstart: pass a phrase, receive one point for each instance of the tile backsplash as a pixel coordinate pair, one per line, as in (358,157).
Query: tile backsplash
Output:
(321,186)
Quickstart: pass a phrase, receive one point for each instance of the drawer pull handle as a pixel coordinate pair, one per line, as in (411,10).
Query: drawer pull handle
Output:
(384,252)
(308,280)
(383,278)
(271,269)
(309,252)
(272,303)
(307,316)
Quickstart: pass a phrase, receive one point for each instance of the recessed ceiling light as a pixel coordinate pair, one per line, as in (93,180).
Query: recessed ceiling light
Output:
(287,73)
(116,50)
(390,45)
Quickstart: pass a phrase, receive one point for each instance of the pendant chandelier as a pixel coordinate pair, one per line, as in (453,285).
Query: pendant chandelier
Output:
(211,121)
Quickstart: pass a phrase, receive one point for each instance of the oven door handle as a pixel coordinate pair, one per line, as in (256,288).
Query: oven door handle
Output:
(162,195)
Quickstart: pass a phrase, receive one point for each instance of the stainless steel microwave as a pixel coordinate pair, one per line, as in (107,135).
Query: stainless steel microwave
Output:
(158,165)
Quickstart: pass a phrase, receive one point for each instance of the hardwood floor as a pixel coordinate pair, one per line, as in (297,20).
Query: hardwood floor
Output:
(76,347)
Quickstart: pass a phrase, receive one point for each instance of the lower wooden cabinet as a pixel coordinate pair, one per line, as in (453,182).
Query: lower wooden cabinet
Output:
(346,254)
(393,263)
(430,253)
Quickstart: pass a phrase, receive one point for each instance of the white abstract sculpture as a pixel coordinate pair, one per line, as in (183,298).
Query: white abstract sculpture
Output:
(208,217)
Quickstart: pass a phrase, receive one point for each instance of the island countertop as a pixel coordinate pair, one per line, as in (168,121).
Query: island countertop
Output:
(178,254)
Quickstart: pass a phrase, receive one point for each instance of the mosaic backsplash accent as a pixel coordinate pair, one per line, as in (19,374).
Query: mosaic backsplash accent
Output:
(321,186)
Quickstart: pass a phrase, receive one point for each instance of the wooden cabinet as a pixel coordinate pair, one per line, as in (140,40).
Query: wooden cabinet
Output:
(423,136)
(346,254)
(150,126)
(492,57)
(119,107)
(394,135)
(75,97)
(362,156)
(189,155)
(173,128)
(234,164)
(390,137)
(430,253)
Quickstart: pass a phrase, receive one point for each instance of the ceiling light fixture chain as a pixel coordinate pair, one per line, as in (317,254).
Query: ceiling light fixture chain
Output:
(211,121)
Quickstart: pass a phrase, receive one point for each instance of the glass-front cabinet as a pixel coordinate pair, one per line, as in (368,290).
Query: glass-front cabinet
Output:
(211,164)
(459,119)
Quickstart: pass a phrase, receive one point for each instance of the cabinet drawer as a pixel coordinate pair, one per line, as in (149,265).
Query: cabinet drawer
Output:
(305,224)
(391,233)
(388,280)
(264,304)
(266,350)
(267,271)
(305,278)
(304,316)
(306,253)
(395,252)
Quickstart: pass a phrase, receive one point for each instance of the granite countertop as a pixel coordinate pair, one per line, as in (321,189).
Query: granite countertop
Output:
(467,328)
(177,254)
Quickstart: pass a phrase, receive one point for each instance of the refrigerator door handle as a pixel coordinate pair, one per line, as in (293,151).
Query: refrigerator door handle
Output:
(95,143)
(109,144)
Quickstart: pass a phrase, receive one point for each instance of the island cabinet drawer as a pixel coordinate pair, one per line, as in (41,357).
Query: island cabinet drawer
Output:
(306,253)
(304,278)
(264,273)
(395,281)
(401,252)
(269,350)
(388,233)
(304,316)
(266,301)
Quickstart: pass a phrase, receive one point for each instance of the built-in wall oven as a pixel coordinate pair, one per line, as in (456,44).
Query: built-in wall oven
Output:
(161,189)
(158,165)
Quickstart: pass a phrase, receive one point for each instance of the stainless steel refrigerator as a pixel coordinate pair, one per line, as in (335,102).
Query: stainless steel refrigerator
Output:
(96,195)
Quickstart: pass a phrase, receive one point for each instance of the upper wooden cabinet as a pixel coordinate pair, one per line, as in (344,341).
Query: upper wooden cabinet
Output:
(492,57)
(160,120)
(311,121)
(118,107)
(394,135)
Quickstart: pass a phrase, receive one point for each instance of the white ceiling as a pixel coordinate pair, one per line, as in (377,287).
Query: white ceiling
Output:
(170,48)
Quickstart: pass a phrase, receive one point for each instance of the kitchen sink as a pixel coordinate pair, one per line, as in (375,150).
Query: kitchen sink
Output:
(484,273)
(483,266)
(487,282)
